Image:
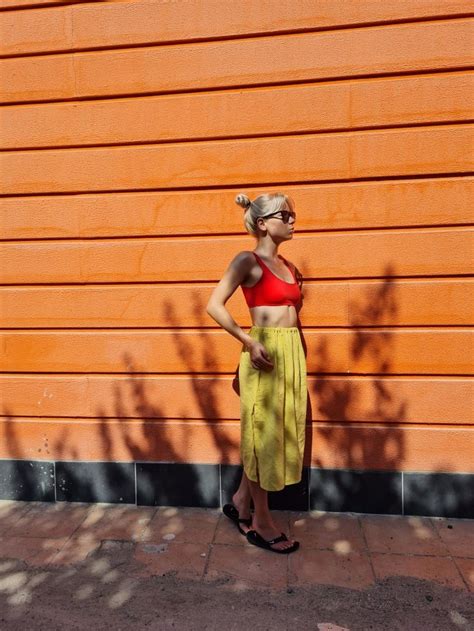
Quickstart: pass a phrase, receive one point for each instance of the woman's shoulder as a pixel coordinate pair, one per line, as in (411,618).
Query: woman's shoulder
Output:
(244,256)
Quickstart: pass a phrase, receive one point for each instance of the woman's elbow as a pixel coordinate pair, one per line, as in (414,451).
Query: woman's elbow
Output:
(210,307)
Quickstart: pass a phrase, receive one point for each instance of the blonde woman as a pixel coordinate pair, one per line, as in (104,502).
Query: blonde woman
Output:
(272,368)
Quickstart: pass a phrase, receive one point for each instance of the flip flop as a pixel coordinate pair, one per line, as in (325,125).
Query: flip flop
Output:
(258,540)
(232,513)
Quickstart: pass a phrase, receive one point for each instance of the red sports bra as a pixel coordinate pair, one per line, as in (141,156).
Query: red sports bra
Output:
(271,290)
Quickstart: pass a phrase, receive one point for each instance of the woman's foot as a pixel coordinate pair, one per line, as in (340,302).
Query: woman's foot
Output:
(243,506)
(269,531)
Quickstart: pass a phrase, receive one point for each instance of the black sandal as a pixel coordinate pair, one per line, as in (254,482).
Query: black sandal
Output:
(232,513)
(258,540)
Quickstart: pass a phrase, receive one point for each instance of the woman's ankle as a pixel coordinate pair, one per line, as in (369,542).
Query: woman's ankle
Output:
(241,498)
(264,523)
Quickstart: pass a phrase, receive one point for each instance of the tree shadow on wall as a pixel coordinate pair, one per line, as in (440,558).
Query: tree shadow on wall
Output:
(158,433)
(140,428)
(356,423)
(353,424)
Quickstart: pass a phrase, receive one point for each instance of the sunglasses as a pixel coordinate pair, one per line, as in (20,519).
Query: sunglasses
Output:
(285,215)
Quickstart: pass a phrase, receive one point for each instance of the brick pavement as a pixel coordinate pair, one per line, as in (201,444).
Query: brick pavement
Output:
(336,549)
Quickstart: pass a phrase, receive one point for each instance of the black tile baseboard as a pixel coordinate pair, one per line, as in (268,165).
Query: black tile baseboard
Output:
(439,494)
(343,490)
(212,486)
(176,484)
(27,480)
(110,482)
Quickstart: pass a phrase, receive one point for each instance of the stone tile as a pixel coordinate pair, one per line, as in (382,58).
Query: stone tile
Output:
(10,512)
(46,519)
(243,568)
(227,533)
(466,567)
(106,521)
(404,535)
(181,525)
(324,567)
(338,532)
(32,550)
(457,534)
(76,549)
(184,560)
(429,568)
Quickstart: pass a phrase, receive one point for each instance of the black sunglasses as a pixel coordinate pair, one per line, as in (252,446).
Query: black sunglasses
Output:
(285,215)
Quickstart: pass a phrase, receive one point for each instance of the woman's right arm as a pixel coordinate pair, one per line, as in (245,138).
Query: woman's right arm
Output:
(234,275)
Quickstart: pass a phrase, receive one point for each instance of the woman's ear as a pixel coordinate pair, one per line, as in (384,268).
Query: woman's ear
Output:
(261,224)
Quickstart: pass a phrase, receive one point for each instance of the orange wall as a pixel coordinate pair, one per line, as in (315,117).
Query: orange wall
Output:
(127,128)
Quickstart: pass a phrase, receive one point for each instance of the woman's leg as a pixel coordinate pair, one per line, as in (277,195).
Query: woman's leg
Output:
(241,500)
(262,520)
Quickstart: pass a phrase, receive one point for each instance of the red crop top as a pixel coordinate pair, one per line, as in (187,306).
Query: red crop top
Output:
(271,290)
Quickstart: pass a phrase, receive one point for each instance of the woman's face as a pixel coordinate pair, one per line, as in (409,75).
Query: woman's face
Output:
(281,224)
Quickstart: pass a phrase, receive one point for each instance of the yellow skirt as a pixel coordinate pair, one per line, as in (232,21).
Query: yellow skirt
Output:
(273,409)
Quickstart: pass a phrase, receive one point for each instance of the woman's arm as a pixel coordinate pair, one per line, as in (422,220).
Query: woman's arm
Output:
(234,275)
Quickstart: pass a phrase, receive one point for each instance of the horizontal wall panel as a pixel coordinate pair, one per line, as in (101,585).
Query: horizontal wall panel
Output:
(400,449)
(445,251)
(387,351)
(327,445)
(323,106)
(104,24)
(38,78)
(120,440)
(389,399)
(319,207)
(394,303)
(22,4)
(364,154)
(394,49)
(24,32)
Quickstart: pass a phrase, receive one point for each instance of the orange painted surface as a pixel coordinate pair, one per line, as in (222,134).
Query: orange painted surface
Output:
(339,156)
(326,303)
(332,445)
(125,141)
(371,399)
(378,351)
(87,24)
(370,204)
(394,48)
(395,252)
(301,108)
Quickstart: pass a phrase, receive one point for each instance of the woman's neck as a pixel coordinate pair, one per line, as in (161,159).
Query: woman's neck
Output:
(268,251)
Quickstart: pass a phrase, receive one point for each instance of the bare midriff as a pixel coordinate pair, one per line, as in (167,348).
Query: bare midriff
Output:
(282,315)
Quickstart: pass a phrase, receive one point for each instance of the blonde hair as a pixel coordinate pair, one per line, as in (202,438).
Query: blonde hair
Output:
(262,205)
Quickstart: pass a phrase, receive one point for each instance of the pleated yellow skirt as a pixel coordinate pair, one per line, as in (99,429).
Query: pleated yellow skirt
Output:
(273,409)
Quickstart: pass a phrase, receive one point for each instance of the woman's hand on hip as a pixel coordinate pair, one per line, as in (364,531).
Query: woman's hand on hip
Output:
(259,358)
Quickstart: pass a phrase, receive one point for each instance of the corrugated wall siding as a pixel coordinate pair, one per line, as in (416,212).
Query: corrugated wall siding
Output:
(127,128)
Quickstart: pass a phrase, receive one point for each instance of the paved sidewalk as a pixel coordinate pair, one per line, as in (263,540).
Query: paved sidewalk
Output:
(72,566)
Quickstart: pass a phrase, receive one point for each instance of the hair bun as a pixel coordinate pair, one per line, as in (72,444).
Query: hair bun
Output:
(242,200)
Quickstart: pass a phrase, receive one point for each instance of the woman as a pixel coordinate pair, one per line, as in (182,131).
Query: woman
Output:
(272,368)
